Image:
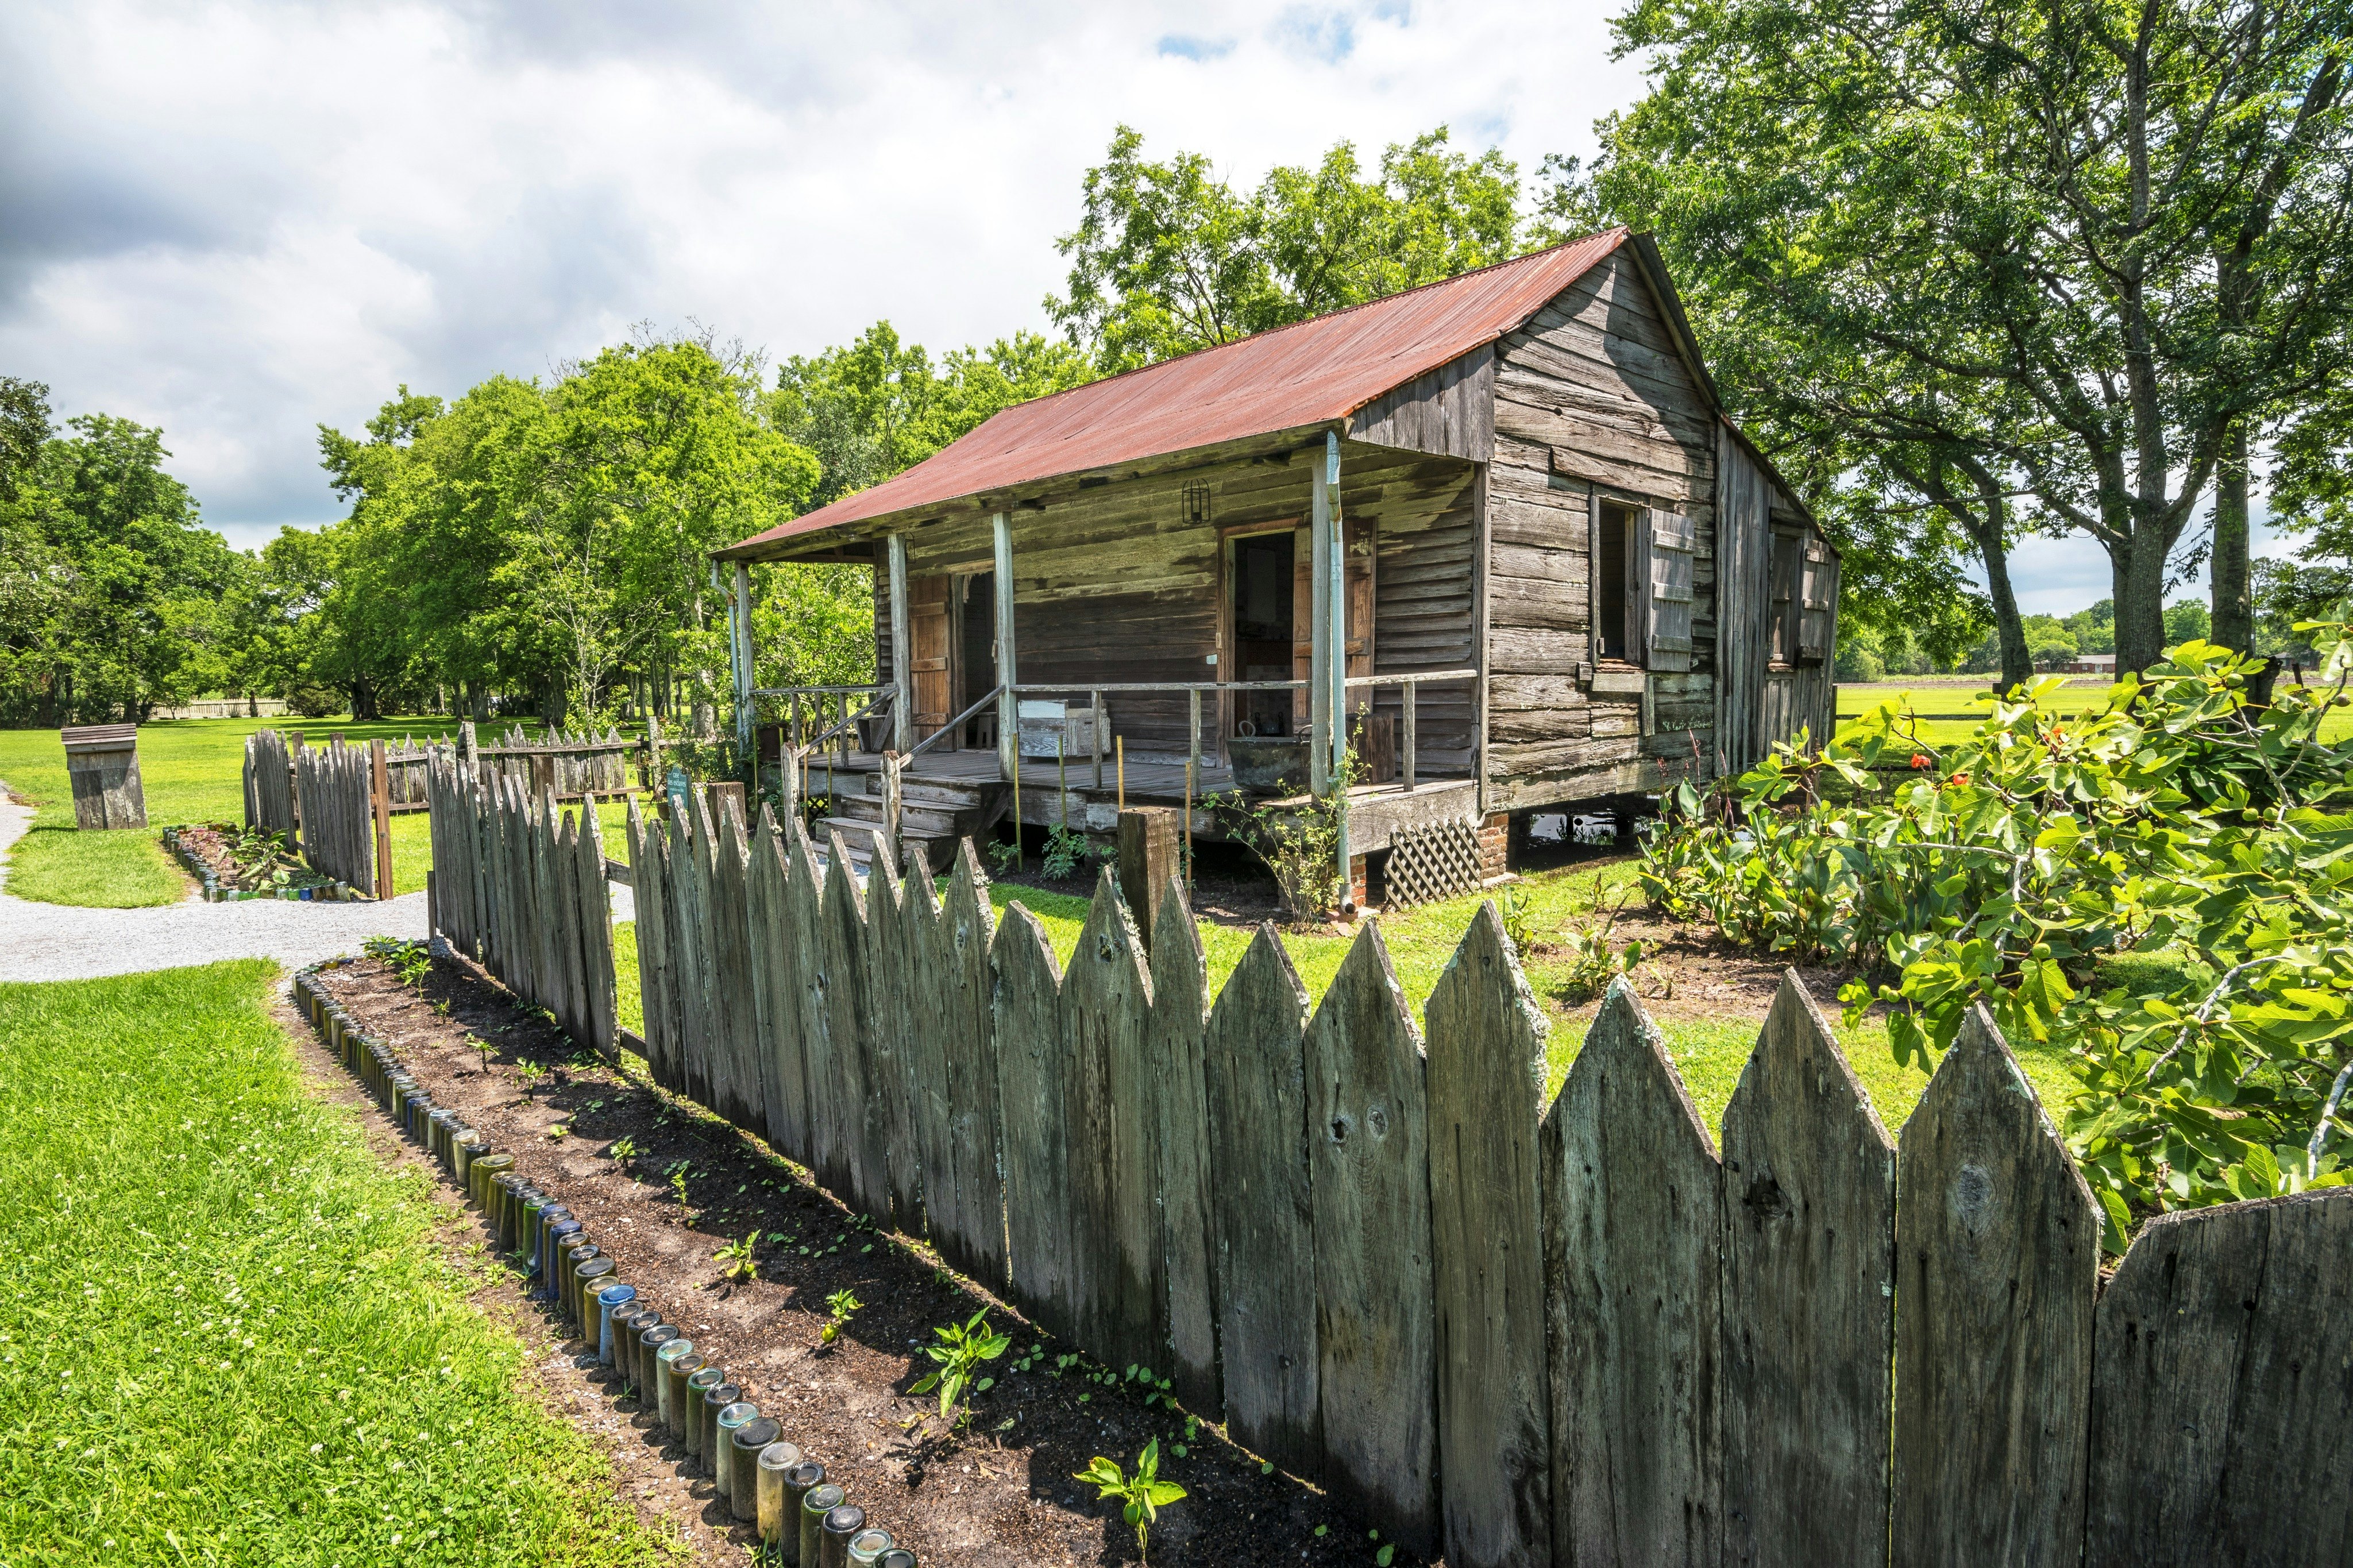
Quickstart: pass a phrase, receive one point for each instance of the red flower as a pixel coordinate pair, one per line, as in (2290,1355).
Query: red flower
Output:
(1960,778)
(1918,760)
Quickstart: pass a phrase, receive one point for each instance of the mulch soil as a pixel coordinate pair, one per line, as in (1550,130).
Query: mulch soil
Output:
(998,1492)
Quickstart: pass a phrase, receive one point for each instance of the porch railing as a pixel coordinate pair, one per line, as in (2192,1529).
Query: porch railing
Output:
(1409,681)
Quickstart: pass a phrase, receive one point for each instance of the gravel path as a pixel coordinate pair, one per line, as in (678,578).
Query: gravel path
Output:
(57,941)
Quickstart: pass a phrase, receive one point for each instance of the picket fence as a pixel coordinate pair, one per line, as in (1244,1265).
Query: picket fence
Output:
(270,783)
(338,820)
(571,765)
(1521,1336)
(519,885)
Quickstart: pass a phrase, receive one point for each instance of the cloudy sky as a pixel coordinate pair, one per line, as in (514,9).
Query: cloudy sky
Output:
(238,220)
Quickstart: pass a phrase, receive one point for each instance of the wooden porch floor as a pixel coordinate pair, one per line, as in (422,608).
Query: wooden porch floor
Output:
(1375,810)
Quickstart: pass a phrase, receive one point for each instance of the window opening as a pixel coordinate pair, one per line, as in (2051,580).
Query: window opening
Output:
(1611,557)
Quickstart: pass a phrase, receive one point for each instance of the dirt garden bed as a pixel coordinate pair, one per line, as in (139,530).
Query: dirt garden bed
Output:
(1001,1492)
(234,863)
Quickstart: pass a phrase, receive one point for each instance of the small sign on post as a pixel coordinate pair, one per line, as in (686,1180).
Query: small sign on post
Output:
(380,807)
(103,761)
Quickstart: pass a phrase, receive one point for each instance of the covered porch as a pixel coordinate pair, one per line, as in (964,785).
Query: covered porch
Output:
(1195,625)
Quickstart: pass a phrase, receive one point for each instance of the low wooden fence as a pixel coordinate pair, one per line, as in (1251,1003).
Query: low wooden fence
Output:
(520,886)
(343,835)
(1519,1335)
(570,766)
(270,783)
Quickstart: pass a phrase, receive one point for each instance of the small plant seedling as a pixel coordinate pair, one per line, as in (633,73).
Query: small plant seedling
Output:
(530,1073)
(962,1348)
(623,1150)
(1142,1495)
(737,1256)
(839,1307)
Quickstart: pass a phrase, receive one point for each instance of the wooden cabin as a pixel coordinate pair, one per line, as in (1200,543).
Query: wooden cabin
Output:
(1499,523)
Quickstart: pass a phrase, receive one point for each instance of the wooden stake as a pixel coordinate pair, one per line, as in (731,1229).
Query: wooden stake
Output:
(1119,746)
(380,799)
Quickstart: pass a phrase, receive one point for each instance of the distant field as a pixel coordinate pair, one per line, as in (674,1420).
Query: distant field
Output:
(1949,707)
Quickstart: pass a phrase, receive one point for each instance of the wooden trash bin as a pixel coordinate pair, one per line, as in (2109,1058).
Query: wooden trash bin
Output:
(102,761)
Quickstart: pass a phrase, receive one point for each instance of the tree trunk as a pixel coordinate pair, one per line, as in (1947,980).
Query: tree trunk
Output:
(2139,574)
(2234,601)
(2017,664)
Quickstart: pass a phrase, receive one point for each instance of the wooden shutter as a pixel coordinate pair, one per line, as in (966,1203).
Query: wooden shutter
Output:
(1671,542)
(1303,627)
(1814,596)
(1358,566)
(927,638)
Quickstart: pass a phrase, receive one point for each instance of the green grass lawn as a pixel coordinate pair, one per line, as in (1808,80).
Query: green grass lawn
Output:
(193,771)
(229,1334)
(1949,711)
(1709,1049)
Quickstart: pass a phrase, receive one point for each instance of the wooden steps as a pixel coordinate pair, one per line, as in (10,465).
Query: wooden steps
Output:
(933,813)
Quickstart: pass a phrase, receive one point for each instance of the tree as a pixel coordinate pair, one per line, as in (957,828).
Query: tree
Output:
(1169,257)
(112,585)
(2086,248)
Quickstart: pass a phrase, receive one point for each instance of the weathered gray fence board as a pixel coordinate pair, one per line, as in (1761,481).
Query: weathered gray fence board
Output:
(804,970)
(1179,1028)
(1255,1054)
(650,868)
(1032,1090)
(1808,1298)
(1368,1181)
(774,945)
(746,1101)
(1998,1242)
(1487,1083)
(863,1179)
(1112,1138)
(929,1008)
(2222,1397)
(891,972)
(1633,1200)
(974,1241)
(691,855)
(604,1000)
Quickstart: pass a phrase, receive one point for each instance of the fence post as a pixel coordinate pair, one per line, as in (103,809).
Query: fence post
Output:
(380,804)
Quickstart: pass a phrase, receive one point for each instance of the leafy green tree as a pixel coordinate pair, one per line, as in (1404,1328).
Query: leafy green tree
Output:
(1169,257)
(2083,249)
(114,587)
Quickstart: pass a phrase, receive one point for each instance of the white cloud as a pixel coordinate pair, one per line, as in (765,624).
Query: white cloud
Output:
(242,220)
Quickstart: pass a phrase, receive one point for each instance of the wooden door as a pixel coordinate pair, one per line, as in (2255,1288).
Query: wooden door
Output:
(1359,582)
(928,645)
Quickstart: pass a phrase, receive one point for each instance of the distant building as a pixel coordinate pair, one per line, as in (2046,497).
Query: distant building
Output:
(2091,664)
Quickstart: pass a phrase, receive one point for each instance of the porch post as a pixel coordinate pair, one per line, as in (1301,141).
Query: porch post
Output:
(1320,653)
(903,667)
(739,618)
(1008,707)
(1335,656)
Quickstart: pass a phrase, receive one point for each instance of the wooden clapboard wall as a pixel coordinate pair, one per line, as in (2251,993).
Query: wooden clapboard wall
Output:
(519,885)
(1593,1332)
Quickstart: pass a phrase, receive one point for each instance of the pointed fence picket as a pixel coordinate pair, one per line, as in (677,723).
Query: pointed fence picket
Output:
(1255,1054)
(1584,1336)
(1633,1216)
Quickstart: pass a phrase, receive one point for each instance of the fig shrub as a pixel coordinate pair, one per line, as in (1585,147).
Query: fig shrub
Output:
(2194,819)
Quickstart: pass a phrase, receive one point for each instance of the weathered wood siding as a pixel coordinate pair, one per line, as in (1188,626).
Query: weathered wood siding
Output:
(1592,402)
(1116,584)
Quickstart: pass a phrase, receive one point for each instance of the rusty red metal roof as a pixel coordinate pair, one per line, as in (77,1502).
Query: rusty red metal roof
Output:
(1305,375)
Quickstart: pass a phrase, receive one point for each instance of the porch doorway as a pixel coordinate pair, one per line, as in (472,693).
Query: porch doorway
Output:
(973,604)
(1266,628)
